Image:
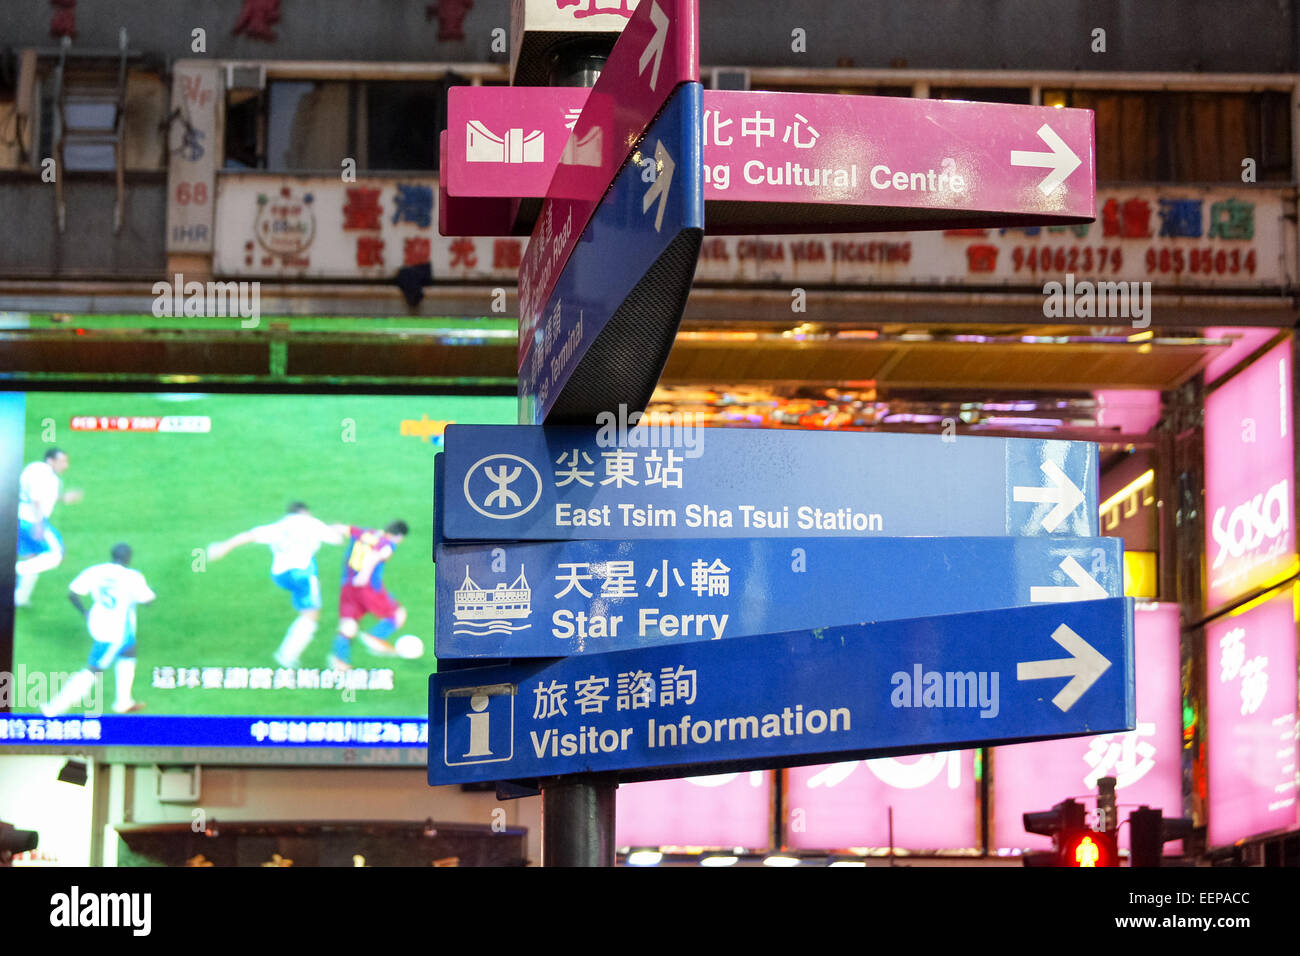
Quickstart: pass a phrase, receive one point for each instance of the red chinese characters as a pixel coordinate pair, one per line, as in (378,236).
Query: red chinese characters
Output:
(415,251)
(450,15)
(981,257)
(63,18)
(257,18)
(463,253)
(361,209)
(506,253)
(370,251)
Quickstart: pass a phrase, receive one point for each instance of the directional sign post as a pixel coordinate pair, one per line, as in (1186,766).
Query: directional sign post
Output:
(604,280)
(547,599)
(638,540)
(840,693)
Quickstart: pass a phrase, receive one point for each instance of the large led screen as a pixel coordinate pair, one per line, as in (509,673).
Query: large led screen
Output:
(188,567)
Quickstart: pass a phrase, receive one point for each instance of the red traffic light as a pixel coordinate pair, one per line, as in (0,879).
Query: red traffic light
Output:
(1087,849)
(1073,843)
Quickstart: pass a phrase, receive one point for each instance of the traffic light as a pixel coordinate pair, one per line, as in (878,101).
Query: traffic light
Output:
(1149,831)
(1089,849)
(1074,844)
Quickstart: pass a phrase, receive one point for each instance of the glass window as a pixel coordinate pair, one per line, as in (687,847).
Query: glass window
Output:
(983,94)
(308,125)
(402,124)
(1186,137)
(313,125)
(839,89)
(243,130)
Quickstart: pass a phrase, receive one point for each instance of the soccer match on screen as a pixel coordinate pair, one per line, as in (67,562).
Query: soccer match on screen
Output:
(231,554)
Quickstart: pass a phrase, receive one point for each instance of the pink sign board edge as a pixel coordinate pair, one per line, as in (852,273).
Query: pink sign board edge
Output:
(636,100)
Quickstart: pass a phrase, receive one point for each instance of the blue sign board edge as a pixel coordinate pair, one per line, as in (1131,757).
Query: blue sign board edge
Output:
(927,577)
(626,237)
(1008,486)
(511,787)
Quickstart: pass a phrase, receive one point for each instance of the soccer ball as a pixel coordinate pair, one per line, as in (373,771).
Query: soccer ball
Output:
(409,646)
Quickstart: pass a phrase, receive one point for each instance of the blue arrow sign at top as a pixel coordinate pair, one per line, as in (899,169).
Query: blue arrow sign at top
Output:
(652,214)
(776,700)
(513,482)
(556,598)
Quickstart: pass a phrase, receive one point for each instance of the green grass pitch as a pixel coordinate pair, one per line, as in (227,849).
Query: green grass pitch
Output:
(169,495)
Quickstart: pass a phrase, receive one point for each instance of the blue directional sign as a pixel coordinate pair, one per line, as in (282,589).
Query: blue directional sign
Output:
(515,482)
(840,693)
(552,599)
(652,216)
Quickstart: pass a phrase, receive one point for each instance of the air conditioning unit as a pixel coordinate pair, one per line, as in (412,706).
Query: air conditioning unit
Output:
(245,76)
(729,78)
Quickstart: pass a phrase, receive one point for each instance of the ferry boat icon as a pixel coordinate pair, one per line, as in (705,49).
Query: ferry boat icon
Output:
(473,603)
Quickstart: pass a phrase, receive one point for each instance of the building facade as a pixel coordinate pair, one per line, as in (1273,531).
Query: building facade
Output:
(243,195)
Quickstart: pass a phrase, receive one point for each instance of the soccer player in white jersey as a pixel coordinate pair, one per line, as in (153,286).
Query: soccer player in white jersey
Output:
(115,590)
(294,541)
(39,546)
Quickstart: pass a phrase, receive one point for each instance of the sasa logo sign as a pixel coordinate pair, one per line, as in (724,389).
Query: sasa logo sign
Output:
(1262,518)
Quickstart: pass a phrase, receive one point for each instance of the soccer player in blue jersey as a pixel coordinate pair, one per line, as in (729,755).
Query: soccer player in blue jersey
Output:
(294,541)
(40,488)
(115,590)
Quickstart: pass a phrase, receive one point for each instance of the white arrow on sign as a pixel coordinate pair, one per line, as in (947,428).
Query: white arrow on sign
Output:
(1061,160)
(1065,495)
(1084,665)
(1085,589)
(655,48)
(664,167)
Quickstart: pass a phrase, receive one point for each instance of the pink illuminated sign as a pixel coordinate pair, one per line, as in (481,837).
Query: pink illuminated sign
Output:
(877,159)
(1249,479)
(933,798)
(1132,411)
(1146,762)
(1244,341)
(1251,715)
(725,810)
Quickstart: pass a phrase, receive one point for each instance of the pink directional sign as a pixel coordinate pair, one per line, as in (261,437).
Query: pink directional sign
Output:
(1145,762)
(890,162)
(657,51)
(1250,662)
(800,162)
(506,141)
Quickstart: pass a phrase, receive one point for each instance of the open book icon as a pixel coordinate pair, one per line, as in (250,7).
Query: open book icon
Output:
(484,146)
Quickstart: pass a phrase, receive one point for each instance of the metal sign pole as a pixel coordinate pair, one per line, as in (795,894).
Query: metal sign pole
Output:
(578,821)
(578,811)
